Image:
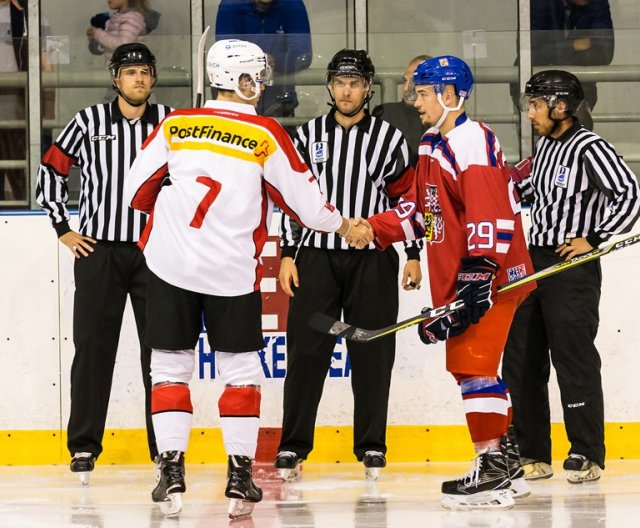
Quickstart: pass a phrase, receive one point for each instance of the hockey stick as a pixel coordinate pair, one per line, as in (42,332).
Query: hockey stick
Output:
(328,325)
(200,87)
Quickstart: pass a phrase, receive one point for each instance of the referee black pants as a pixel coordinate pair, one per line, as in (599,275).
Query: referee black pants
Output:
(557,323)
(103,281)
(365,285)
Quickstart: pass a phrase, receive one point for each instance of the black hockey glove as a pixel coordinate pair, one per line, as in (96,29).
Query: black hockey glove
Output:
(474,286)
(442,328)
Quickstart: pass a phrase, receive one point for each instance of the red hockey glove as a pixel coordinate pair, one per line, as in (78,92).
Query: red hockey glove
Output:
(474,286)
(442,328)
(521,170)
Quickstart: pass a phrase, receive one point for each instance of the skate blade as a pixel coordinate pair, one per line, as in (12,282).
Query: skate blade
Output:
(171,506)
(372,494)
(371,473)
(290,475)
(519,488)
(84,477)
(240,508)
(582,477)
(488,500)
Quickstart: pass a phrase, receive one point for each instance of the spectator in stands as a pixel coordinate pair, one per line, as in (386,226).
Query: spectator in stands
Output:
(281,28)
(13,58)
(131,21)
(403,115)
(571,32)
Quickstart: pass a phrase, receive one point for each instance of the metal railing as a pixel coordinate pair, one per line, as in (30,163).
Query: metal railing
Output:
(387,82)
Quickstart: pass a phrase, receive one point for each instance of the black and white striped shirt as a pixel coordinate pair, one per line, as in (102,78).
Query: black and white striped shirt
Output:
(103,143)
(361,171)
(579,187)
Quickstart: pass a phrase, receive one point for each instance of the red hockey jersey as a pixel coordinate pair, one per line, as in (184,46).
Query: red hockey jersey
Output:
(464,204)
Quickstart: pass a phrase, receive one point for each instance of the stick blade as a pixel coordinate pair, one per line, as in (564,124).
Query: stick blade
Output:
(329,325)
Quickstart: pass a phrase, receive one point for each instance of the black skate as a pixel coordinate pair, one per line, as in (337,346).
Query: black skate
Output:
(373,461)
(580,469)
(288,465)
(168,492)
(240,487)
(82,464)
(485,486)
(509,446)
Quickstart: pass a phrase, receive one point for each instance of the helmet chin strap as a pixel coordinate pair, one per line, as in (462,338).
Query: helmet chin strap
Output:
(446,110)
(242,96)
(133,103)
(556,122)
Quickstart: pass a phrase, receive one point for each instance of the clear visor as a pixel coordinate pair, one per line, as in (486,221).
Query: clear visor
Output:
(265,76)
(535,102)
(411,94)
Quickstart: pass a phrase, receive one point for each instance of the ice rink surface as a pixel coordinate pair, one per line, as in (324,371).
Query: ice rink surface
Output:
(328,496)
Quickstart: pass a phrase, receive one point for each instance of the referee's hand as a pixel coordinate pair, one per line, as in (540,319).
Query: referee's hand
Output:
(78,244)
(288,276)
(574,247)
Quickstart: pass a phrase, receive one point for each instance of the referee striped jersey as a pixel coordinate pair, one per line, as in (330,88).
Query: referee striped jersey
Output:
(579,187)
(361,171)
(103,143)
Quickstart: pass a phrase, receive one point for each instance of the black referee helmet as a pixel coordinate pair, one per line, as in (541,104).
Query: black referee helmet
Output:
(351,63)
(131,54)
(556,85)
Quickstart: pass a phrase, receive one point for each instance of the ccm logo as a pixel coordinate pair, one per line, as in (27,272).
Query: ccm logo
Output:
(471,277)
(104,137)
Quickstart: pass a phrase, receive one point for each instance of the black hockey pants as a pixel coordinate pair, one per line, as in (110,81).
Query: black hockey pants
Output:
(364,284)
(103,280)
(558,322)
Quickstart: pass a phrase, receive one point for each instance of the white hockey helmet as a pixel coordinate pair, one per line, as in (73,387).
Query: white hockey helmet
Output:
(229,60)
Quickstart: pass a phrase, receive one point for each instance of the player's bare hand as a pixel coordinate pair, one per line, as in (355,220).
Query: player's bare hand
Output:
(288,276)
(573,248)
(411,275)
(360,234)
(79,245)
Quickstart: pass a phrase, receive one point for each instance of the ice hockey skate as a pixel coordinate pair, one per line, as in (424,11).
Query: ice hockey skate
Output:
(536,470)
(509,446)
(486,485)
(289,466)
(241,489)
(169,489)
(373,462)
(82,464)
(580,469)
(156,468)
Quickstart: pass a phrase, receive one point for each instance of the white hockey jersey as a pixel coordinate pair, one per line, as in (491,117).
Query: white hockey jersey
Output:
(226,167)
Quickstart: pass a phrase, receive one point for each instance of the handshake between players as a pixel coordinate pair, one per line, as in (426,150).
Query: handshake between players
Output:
(360,233)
